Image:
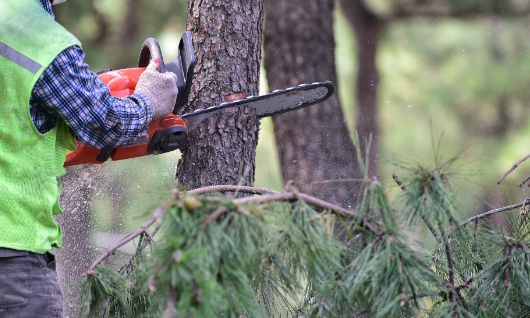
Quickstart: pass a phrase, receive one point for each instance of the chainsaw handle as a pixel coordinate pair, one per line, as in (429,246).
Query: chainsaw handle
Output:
(151,49)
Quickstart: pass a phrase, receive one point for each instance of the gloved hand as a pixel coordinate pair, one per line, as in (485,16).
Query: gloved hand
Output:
(160,88)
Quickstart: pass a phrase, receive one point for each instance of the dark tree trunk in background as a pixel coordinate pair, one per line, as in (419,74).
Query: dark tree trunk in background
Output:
(314,144)
(368,28)
(75,256)
(127,35)
(227,41)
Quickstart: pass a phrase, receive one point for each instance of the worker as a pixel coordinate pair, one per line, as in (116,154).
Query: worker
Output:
(48,96)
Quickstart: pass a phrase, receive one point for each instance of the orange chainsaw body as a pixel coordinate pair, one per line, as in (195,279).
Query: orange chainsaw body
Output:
(122,83)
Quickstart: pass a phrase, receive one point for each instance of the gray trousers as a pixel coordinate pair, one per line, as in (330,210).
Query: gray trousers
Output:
(28,285)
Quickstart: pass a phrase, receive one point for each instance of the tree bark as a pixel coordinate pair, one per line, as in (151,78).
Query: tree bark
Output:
(227,41)
(314,143)
(368,28)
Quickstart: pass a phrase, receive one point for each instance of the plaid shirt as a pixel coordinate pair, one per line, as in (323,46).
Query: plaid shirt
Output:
(68,90)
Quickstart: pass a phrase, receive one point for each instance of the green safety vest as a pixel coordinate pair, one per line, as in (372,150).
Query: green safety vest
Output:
(31,163)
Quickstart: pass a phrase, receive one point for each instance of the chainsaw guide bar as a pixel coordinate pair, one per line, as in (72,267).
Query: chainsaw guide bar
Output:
(276,102)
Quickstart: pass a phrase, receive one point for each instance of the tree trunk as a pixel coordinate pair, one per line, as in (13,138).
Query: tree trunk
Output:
(368,28)
(314,143)
(227,41)
(75,256)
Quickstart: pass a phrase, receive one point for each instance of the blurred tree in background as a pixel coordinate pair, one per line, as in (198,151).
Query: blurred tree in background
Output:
(370,19)
(315,143)
(461,63)
(368,29)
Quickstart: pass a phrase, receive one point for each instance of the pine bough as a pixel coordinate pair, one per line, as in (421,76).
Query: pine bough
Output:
(277,255)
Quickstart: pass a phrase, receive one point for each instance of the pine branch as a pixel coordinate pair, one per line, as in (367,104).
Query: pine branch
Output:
(216,214)
(399,183)
(524,181)
(450,263)
(129,237)
(508,250)
(286,196)
(138,249)
(170,307)
(512,168)
(467,284)
(486,214)
(451,267)
(215,207)
(423,216)
(159,212)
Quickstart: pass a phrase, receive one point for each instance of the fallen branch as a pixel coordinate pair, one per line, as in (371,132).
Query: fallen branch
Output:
(275,196)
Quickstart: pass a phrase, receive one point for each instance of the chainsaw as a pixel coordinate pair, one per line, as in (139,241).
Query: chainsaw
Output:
(171,132)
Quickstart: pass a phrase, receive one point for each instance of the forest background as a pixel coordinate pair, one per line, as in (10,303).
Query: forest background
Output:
(469,74)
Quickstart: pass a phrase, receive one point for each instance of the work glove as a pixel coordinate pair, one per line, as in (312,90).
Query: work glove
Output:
(160,88)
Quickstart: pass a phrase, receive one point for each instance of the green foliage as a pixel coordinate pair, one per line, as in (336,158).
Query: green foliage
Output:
(278,256)
(103,292)
(383,276)
(232,264)
(503,288)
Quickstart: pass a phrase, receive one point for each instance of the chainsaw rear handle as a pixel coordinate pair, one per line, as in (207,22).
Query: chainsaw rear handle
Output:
(150,50)
(164,134)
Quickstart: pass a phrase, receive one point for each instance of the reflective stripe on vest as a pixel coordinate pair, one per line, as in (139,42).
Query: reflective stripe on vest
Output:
(19,58)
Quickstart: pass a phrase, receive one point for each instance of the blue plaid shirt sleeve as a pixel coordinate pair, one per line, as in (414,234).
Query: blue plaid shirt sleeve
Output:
(68,90)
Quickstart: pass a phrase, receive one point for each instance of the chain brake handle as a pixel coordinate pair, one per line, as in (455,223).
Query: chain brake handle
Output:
(183,67)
